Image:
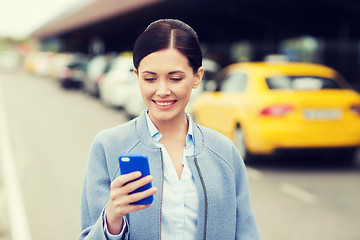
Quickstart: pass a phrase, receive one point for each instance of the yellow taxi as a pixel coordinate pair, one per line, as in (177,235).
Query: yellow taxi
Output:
(267,107)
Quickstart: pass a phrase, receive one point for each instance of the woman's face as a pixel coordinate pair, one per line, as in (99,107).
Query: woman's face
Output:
(166,81)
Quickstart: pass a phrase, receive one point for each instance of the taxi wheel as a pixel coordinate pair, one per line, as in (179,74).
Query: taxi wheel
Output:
(239,140)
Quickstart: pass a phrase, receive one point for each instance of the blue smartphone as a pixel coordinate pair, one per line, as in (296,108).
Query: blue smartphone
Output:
(131,162)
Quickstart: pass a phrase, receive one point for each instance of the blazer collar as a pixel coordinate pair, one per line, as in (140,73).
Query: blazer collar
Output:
(144,134)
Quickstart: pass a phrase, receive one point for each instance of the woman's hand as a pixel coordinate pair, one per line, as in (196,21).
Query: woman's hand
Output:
(119,203)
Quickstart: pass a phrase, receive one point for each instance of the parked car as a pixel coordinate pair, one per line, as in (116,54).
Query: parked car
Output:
(42,62)
(97,67)
(134,105)
(58,62)
(73,73)
(119,82)
(29,61)
(266,108)
(9,60)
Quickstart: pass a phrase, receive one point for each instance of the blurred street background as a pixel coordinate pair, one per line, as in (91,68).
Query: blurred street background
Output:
(68,75)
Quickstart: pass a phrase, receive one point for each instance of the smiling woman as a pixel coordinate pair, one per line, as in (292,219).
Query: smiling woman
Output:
(198,173)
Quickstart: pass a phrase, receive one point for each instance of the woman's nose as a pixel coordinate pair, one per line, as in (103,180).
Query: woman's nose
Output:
(163,89)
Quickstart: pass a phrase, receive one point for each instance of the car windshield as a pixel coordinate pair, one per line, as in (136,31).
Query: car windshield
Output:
(301,83)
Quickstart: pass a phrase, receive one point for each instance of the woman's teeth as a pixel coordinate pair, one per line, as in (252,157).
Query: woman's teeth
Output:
(164,103)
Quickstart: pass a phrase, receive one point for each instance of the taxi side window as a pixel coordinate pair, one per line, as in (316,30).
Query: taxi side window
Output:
(235,82)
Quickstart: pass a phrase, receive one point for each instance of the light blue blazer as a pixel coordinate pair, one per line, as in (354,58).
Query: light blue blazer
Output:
(225,211)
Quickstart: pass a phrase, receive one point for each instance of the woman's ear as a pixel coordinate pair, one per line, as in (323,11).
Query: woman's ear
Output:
(198,77)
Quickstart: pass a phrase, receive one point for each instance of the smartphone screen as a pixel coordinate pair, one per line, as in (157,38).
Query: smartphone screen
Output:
(136,162)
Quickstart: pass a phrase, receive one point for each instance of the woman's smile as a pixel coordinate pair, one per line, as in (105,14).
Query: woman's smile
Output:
(164,104)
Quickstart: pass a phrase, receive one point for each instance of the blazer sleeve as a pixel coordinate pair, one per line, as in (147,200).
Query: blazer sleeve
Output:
(95,194)
(246,227)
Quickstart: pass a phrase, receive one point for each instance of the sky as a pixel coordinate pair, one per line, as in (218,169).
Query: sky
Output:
(19,18)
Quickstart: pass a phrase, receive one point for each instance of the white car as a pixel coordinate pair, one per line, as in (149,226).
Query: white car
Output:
(9,60)
(134,105)
(119,82)
(96,69)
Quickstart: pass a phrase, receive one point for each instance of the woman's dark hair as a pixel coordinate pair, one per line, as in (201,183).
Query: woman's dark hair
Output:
(167,33)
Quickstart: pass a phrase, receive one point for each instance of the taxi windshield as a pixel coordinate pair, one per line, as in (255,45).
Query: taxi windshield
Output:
(301,83)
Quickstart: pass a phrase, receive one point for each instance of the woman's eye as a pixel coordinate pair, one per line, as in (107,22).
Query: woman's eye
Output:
(149,79)
(175,79)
